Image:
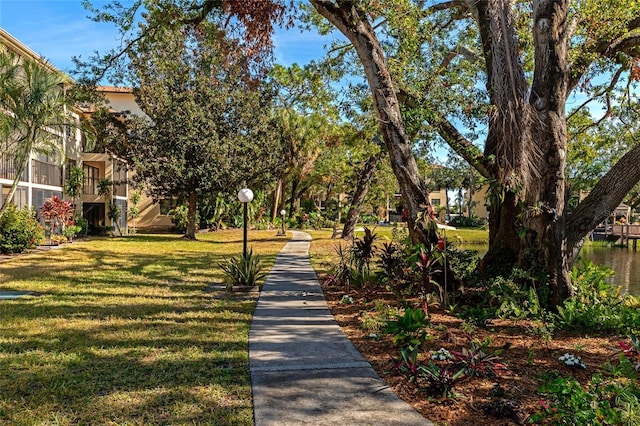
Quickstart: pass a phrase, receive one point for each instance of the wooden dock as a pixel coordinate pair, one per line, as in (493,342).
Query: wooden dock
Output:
(623,234)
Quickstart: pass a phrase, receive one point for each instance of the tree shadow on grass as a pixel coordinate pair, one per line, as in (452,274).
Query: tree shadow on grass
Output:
(120,362)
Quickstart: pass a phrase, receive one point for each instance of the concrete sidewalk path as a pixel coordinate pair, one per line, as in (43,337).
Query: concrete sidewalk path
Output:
(304,370)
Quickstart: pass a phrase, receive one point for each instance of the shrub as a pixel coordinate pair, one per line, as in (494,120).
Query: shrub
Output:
(440,379)
(408,328)
(316,221)
(598,305)
(19,230)
(57,212)
(463,262)
(180,218)
(393,269)
(370,219)
(468,222)
(71,231)
(82,223)
(243,271)
(602,402)
(364,250)
(478,361)
(377,319)
(354,264)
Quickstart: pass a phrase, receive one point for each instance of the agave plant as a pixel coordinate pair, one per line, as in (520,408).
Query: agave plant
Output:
(242,270)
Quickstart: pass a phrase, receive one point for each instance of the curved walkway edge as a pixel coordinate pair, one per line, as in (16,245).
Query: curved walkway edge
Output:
(304,370)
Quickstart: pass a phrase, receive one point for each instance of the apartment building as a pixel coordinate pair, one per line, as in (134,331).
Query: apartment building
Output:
(44,175)
(105,176)
(152,215)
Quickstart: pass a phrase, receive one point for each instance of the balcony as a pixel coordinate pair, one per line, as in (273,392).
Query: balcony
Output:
(8,169)
(46,173)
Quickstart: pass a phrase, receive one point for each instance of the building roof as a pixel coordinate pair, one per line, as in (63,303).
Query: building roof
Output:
(113,89)
(15,45)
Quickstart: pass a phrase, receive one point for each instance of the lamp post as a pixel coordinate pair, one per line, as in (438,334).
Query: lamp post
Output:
(245,196)
(282,231)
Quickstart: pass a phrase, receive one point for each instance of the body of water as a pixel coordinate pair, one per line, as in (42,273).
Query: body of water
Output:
(624,262)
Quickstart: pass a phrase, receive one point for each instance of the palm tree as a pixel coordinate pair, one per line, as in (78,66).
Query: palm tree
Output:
(32,112)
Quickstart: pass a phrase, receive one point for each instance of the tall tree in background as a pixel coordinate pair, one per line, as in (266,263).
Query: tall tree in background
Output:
(528,81)
(352,20)
(208,126)
(303,111)
(34,113)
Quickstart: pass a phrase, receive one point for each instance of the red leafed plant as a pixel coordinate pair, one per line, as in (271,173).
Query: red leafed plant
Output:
(58,212)
(477,361)
(632,351)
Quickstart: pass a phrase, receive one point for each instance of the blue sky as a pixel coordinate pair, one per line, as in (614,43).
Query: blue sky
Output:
(59,29)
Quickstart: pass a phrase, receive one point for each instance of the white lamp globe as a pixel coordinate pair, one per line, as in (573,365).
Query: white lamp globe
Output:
(283,212)
(245,195)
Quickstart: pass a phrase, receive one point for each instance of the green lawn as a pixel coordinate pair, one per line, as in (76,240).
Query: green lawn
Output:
(459,235)
(124,331)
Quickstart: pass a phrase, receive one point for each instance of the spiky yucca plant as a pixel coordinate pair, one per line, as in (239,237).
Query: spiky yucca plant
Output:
(242,271)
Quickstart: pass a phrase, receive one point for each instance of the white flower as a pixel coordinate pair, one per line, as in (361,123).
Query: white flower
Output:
(572,361)
(441,355)
(346,299)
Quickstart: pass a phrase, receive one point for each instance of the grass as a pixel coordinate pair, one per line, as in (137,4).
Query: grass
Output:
(128,331)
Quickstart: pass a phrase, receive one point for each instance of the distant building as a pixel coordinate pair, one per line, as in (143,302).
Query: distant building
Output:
(152,216)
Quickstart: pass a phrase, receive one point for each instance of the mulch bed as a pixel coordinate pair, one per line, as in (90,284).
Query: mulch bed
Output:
(527,356)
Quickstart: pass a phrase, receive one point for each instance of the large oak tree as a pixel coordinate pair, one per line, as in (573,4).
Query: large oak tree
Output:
(528,82)
(206,128)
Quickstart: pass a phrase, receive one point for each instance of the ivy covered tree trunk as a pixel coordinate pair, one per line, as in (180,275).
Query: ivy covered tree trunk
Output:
(529,225)
(528,136)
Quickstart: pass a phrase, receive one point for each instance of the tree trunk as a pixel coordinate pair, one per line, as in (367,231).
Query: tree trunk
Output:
(504,239)
(359,194)
(528,223)
(353,23)
(275,201)
(470,195)
(190,233)
(294,202)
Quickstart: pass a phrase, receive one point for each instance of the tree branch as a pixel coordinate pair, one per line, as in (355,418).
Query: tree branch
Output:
(463,147)
(603,199)
(628,44)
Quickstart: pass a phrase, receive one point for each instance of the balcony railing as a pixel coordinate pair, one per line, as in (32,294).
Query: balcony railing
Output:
(46,173)
(8,169)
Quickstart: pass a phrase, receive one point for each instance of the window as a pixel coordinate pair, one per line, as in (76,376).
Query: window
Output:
(122,220)
(8,168)
(39,195)
(435,202)
(91,178)
(19,197)
(120,178)
(46,172)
